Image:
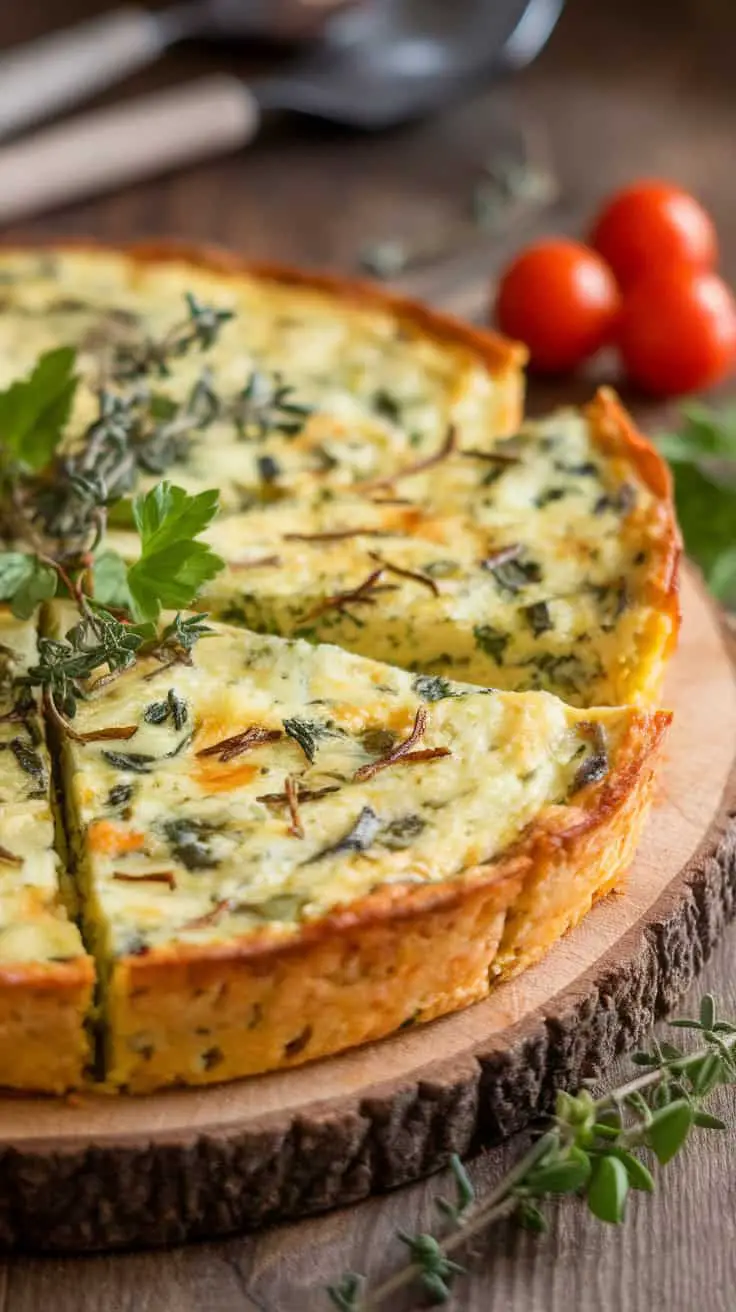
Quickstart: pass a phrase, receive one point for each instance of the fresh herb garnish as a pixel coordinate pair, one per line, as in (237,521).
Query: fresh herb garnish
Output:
(491,641)
(55,501)
(172,566)
(200,328)
(590,1149)
(173,708)
(539,618)
(432,687)
(307,733)
(266,405)
(131,762)
(702,455)
(596,765)
(190,843)
(359,837)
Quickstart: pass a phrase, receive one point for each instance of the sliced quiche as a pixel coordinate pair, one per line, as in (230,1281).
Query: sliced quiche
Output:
(547,560)
(46,977)
(283,850)
(278,847)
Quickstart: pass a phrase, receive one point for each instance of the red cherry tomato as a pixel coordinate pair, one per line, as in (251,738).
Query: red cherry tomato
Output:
(677,332)
(652,226)
(561,300)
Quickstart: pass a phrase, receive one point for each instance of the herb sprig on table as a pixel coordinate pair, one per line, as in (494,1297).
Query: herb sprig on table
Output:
(592,1147)
(702,455)
(56,496)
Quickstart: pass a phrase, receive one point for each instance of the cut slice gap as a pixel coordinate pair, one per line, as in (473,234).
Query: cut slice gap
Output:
(326,848)
(46,977)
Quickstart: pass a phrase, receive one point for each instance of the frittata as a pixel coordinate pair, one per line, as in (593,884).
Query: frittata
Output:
(275,848)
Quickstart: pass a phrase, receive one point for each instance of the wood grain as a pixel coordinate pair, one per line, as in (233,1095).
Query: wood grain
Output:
(623,89)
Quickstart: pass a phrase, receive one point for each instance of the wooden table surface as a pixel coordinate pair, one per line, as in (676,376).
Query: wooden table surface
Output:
(624,89)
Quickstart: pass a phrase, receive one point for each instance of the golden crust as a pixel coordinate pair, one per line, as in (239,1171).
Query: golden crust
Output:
(44,1045)
(398,956)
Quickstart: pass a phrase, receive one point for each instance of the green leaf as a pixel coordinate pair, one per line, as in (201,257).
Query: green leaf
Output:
(172,566)
(705,433)
(706,1075)
(707,515)
(345,1295)
(531,1218)
(708,1011)
(561,1177)
(705,1121)
(640,1177)
(110,580)
(34,410)
(25,581)
(668,1129)
(608,1188)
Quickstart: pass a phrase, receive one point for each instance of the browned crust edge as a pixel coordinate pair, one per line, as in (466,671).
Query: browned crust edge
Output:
(383,941)
(598,803)
(616,433)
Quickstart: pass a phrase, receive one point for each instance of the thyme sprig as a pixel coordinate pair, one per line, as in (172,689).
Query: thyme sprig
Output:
(200,328)
(267,404)
(591,1148)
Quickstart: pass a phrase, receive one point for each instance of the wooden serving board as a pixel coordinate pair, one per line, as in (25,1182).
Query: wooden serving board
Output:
(102,1171)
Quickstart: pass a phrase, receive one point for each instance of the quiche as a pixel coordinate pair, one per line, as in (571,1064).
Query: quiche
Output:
(418,742)
(260,888)
(46,977)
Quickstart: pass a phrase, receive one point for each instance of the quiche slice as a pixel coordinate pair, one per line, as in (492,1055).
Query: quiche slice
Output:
(321,383)
(46,978)
(547,560)
(284,850)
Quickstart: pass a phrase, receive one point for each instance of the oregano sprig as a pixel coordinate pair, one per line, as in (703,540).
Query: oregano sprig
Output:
(591,1148)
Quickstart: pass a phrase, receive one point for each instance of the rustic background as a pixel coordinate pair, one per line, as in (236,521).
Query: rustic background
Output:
(625,88)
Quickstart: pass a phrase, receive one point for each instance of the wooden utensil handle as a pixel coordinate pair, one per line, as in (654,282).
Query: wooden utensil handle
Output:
(99,151)
(62,69)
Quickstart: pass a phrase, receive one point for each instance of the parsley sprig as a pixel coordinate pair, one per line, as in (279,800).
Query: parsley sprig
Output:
(591,1148)
(702,455)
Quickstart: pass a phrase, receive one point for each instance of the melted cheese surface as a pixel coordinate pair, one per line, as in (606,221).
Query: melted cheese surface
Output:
(181,843)
(380,392)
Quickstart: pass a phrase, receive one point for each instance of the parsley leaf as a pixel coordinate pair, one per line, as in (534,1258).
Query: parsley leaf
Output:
(707,514)
(34,410)
(110,576)
(703,459)
(705,434)
(172,566)
(25,581)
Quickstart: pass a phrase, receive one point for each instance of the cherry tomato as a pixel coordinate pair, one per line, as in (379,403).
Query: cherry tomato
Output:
(651,226)
(561,300)
(677,331)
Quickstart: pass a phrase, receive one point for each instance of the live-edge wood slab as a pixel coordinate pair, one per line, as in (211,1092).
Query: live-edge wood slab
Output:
(99,1171)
